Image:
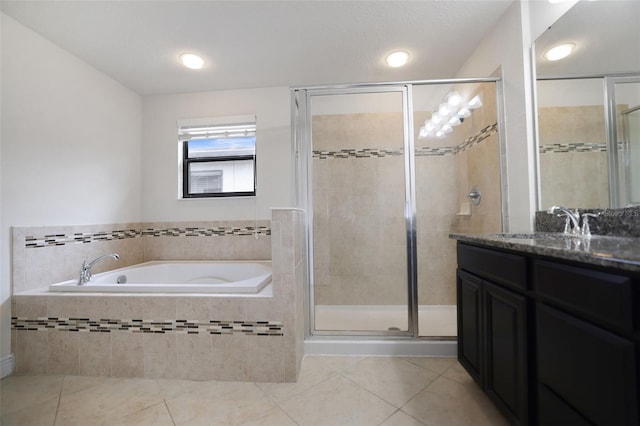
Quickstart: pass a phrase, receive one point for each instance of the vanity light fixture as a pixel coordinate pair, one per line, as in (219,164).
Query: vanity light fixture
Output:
(192,61)
(397,59)
(559,52)
(449,114)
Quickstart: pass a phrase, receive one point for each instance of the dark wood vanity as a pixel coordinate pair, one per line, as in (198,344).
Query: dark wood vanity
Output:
(551,340)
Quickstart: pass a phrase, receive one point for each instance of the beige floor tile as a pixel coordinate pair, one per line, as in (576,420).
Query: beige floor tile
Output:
(220,403)
(273,417)
(337,401)
(435,364)
(312,372)
(400,418)
(457,373)
(73,384)
(107,402)
(335,363)
(392,379)
(172,388)
(18,392)
(41,413)
(156,415)
(448,403)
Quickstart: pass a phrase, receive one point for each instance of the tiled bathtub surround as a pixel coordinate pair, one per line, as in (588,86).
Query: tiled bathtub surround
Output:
(88,237)
(624,222)
(173,336)
(46,255)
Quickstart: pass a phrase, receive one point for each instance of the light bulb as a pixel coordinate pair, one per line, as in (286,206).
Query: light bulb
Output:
(192,61)
(454,121)
(447,128)
(464,112)
(559,52)
(444,110)
(454,99)
(397,59)
(474,103)
(439,134)
(423,132)
(435,118)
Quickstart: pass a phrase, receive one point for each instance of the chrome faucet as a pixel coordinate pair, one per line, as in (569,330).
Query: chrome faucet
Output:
(85,271)
(572,221)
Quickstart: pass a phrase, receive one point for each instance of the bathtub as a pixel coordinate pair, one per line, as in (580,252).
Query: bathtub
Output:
(177,277)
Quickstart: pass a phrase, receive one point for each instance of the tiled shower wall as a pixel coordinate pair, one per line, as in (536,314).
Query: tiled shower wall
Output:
(358,190)
(573,156)
(442,185)
(169,336)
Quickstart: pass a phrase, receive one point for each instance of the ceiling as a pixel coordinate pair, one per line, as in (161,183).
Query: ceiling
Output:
(262,43)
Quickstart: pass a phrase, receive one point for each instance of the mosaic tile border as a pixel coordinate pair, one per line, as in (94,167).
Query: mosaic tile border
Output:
(256,328)
(577,147)
(90,237)
(572,147)
(419,152)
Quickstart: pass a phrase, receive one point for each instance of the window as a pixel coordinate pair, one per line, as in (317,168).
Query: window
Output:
(218,160)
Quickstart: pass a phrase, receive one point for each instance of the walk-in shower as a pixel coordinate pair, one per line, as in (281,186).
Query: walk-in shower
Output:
(384,172)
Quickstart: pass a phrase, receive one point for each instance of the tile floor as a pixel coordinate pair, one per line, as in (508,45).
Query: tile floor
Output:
(331,390)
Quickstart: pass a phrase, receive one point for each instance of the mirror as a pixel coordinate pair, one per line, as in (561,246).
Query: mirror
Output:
(588,152)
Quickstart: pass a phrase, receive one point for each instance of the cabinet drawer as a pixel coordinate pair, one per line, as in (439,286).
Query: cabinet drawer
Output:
(602,296)
(502,268)
(590,369)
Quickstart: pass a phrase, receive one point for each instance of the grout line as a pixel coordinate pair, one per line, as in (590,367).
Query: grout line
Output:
(168,411)
(55,418)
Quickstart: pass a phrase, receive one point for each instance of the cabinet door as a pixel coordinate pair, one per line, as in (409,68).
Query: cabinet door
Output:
(584,372)
(470,324)
(506,351)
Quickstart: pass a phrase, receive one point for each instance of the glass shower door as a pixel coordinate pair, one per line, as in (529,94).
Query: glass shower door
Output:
(359,232)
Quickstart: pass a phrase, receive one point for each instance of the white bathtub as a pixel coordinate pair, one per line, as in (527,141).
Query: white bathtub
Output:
(178,277)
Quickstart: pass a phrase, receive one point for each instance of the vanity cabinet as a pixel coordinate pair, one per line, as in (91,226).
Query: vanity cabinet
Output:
(492,323)
(586,354)
(551,342)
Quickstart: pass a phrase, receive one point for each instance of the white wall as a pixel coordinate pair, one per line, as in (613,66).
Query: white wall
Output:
(271,107)
(70,143)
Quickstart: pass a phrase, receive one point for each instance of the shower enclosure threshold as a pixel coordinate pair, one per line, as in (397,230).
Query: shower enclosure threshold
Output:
(352,346)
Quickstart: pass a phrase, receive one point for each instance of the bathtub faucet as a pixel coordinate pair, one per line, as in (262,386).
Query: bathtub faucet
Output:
(85,271)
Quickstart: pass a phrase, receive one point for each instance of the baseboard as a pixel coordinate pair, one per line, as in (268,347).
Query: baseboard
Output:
(7,365)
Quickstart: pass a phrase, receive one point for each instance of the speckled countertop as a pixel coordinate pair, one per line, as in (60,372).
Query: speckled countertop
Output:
(614,252)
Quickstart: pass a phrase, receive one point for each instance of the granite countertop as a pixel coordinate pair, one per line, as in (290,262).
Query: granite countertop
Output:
(614,252)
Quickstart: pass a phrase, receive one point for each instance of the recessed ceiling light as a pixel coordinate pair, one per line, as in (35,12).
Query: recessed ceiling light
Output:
(560,51)
(397,59)
(192,61)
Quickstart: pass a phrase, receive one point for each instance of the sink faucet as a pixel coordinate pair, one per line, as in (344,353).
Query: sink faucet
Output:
(85,271)
(572,222)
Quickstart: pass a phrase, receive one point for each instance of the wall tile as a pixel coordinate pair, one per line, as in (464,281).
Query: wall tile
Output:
(127,355)
(230,357)
(94,354)
(32,352)
(63,354)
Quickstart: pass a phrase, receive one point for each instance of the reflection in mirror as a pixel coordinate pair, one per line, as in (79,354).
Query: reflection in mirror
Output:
(575,127)
(572,143)
(627,96)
